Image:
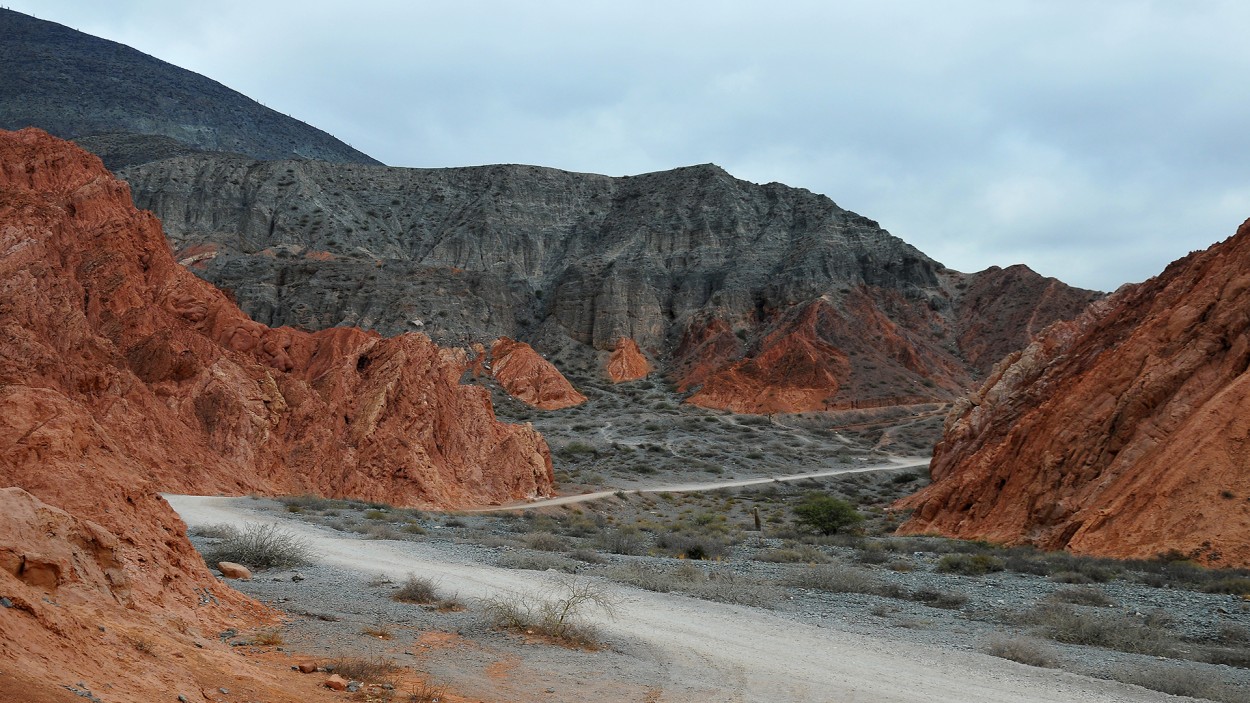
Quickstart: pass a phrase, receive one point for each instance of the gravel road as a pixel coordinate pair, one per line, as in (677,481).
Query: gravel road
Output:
(710,651)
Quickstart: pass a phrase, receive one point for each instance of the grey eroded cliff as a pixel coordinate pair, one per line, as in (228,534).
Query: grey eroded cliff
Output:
(574,262)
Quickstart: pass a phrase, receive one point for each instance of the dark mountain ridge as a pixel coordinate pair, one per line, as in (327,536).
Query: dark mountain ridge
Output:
(129,107)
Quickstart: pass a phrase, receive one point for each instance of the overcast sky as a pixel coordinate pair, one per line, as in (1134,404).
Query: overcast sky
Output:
(1092,141)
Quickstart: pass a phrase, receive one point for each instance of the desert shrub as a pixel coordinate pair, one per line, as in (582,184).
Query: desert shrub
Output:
(375,514)
(561,616)
(872,553)
(416,589)
(691,546)
(728,587)
(307,502)
(589,556)
(1074,578)
(1235,585)
(1177,681)
(825,514)
(381,531)
(261,546)
(375,669)
(969,564)
(1082,595)
(623,540)
(1024,650)
(841,579)
(947,600)
(1118,631)
(538,562)
(268,637)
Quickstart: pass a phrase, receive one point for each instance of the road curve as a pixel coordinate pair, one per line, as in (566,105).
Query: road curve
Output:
(895,465)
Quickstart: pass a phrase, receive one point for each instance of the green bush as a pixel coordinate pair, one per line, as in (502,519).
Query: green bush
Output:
(825,514)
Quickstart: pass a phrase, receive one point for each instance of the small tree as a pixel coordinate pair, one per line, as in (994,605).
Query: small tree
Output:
(826,514)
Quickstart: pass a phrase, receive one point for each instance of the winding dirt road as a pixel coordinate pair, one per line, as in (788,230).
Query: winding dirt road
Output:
(715,652)
(894,465)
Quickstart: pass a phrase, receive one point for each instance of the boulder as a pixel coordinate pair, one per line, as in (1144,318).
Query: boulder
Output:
(232,570)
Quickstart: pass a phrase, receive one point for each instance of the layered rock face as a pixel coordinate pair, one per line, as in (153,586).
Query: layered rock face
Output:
(530,378)
(130,107)
(1122,433)
(627,362)
(122,374)
(706,273)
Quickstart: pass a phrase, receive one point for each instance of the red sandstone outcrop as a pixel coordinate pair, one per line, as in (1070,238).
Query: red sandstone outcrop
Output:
(530,378)
(1120,433)
(122,374)
(626,362)
(820,356)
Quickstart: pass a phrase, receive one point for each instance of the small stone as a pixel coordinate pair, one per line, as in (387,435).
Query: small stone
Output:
(224,690)
(183,699)
(232,570)
(306,667)
(336,682)
(6,603)
(297,577)
(353,687)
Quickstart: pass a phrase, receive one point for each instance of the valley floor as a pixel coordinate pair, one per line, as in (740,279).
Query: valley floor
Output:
(891,638)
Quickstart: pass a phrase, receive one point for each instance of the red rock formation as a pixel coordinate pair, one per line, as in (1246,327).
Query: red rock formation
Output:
(530,378)
(626,362)
(122,374)
(1120,433)
(803,361)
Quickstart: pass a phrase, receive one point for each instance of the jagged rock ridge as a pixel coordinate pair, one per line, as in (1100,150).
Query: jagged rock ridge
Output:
(705,272)
(130,108)
(1122,432)
(122,375)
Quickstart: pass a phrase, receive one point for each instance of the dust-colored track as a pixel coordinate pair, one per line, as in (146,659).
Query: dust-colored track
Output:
(716,652)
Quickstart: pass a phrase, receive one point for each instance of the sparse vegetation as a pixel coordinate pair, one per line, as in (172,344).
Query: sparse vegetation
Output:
(1025,650)
(260,546)
(560,617)
(416,590)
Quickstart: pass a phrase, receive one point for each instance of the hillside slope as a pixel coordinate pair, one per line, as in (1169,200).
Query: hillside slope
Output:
(129,107)
(123,375)
(1124,432)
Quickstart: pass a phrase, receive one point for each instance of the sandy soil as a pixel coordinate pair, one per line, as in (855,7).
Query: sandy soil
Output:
(708,651)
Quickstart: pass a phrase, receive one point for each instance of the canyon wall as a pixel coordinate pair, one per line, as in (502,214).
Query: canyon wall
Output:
(1123,432)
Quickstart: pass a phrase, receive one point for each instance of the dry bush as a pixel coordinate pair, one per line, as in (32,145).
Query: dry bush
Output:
(969,564)
(947,600)
(269,637)
(841,579)
(561,617)
(373,669)
(623,540)
(418,590)
(1177,681)
(1118,631)
(1024,650)
(1082,595)
(261,546)
(545,542)
(798,554)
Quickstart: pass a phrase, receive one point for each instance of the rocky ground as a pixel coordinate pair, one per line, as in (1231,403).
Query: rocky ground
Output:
(1152,623)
